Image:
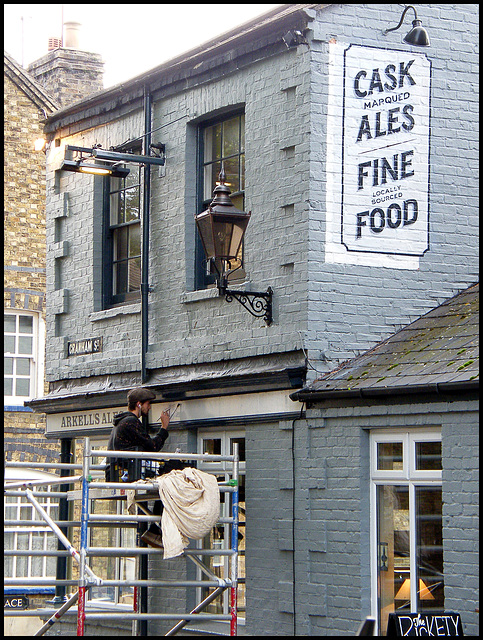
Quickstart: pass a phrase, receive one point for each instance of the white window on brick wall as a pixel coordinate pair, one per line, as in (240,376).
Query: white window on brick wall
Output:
(35,536)
(23,356)
(407,523)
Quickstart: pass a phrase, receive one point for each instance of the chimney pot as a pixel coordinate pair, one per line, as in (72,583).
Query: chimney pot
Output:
(71,33)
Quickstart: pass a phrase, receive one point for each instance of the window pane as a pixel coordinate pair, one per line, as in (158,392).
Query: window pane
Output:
(120,243)
(389,456)
(213,143)
(23,367)
(22,387)
(428,456)
(37,542)
(429,549)
(9,323)
(133,179)
(241,447)
(232,174)
(10,513)
(7,387)
(231,137)
(25,344)
(25,324)
(212,446)
(120,277)
(132,205)
(134,240)
(9,344)
(135,274)
(393,545)
(242,172)
(212,173)
(116,209)
(22,561)
(8,366)
(242,132)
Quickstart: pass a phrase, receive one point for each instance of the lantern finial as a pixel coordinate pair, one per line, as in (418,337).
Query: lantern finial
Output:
(221,192)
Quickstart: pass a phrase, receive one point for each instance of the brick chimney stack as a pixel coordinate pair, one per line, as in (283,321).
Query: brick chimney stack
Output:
(66,72)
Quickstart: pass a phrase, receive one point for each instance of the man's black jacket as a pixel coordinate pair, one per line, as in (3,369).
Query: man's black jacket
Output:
(128,434)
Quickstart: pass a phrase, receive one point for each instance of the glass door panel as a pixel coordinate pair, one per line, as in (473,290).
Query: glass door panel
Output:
(429,549)
(394,549)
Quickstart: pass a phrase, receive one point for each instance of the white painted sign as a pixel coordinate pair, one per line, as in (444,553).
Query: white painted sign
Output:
(378,156)
(91,421)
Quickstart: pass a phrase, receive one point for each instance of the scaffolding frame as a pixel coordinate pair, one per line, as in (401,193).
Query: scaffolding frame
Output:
(87,578)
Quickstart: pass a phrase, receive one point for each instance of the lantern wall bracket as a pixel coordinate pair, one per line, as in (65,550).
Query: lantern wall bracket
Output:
(258,303)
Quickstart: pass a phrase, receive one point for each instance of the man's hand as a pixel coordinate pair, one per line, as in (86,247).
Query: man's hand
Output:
(165,418)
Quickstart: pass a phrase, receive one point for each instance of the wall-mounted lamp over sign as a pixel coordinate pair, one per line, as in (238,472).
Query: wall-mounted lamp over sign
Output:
(417,36)
(99,169)
(102,162)
(222,227)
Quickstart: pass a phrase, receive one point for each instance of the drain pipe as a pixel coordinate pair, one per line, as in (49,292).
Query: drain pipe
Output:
(143,563)
(145,237)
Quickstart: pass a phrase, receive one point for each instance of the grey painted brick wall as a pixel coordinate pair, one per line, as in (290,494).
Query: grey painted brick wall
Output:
(350,306)
(325,471)
(337,310)
(331,522)
(461,516)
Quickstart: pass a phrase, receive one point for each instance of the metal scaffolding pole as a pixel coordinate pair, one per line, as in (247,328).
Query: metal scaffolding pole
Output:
(234,547)
(87,578)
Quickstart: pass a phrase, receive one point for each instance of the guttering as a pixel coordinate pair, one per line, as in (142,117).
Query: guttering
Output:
(145,235)
(438,388)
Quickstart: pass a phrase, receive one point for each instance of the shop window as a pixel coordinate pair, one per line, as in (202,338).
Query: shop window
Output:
(122,242)
(407,531)
(222,141)
(23,357)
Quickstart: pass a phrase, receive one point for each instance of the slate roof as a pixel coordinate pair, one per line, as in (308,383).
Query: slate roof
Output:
(439,351)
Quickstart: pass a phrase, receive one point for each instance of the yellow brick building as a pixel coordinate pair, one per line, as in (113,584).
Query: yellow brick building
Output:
(26,104)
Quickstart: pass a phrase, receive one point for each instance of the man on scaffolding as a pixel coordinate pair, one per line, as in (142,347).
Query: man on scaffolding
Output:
(129,434)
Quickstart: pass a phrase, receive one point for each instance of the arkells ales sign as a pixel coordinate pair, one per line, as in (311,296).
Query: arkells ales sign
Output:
(378,191)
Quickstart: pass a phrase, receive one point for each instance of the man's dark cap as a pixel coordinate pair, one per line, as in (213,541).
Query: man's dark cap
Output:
(140,394)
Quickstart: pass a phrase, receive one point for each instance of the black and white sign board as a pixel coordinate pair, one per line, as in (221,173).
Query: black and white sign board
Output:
(421,624)
(378,164)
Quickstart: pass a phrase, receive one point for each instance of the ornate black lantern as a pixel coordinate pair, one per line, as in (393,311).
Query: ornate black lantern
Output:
(222,227)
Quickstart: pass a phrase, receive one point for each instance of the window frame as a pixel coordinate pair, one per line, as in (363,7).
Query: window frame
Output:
(49,541)
(203,279)
(36,357)
(407,476)
(110,298)
(224,469)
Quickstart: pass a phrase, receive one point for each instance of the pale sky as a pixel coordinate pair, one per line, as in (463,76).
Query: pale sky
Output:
(130,38)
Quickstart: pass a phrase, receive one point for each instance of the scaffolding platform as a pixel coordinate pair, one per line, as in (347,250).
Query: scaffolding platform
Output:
(141,493)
